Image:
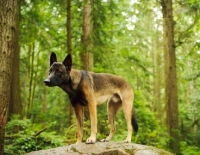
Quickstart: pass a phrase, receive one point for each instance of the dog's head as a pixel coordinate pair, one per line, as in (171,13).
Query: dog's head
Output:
(59,72)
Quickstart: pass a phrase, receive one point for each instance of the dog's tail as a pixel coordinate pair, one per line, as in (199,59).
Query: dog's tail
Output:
(134,121)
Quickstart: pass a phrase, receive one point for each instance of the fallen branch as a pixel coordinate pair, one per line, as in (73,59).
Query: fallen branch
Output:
(39,132)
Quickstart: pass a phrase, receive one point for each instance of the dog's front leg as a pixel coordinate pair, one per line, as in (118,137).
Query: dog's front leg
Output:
(79,118)
(93,119)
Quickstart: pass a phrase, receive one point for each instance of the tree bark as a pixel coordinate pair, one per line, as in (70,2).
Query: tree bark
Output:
(31,57)
(69,49)
(158,80)
(170,74)
(68,26)
(9,13)
(15,106)
(87,55)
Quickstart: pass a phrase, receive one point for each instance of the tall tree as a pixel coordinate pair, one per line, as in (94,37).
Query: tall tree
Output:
(15,106)
(69,48)
(9,13)
(87,54)
(68,26)
(170,74)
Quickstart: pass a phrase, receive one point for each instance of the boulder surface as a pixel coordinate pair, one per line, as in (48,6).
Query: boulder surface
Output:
(103,148)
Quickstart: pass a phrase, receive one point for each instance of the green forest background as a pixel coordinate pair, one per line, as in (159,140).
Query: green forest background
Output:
(127,40)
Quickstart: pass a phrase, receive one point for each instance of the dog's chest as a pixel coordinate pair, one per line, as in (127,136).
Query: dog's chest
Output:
(77,97)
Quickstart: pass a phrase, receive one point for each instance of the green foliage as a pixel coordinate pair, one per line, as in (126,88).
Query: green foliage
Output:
(150,129)
(189,150)
(127,41)
(22,136)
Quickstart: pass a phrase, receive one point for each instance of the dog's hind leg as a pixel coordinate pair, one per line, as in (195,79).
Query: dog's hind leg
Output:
(79,111)
(113,106)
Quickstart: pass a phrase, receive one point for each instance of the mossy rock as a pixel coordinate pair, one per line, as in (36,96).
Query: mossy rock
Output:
(103,148)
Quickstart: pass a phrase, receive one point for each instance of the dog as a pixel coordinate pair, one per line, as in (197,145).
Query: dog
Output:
(90,89)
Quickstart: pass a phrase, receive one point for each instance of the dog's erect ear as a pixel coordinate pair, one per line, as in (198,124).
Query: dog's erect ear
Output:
(53,58)
(68,62)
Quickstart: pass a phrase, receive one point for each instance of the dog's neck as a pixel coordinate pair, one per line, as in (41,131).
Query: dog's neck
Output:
(72,81)
(75,77)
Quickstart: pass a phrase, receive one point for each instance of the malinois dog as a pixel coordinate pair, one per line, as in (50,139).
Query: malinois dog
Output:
(91,89)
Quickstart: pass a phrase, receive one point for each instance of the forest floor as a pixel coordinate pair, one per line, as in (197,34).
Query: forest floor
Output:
(103,148)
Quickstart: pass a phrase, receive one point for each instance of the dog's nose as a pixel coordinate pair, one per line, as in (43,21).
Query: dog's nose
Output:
(47,81)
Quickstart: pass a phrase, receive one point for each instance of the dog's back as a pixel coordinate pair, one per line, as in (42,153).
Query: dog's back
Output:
(105,86)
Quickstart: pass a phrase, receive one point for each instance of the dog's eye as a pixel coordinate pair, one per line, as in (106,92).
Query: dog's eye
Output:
(50,71)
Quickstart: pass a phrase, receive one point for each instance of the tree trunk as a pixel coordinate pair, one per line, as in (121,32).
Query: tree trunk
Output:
(31,71)
(157,80)
(170,75)
(15,106)
(157,84)
(87,55)
(34,77)
(69,49)
(9,13)
(68,26)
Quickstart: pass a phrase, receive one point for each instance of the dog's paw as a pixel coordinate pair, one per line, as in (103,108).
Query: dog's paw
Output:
(104,140)
(78,142)
(127,141)
(90,141)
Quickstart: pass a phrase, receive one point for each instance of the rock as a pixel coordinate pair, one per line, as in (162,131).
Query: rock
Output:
(103,148)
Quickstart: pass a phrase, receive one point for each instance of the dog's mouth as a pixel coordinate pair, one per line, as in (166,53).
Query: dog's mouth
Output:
(47,82)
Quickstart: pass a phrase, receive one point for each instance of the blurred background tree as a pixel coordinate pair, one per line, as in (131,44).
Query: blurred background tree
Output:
(126,39)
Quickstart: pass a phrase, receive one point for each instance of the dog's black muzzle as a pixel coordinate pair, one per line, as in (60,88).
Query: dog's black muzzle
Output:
(47,82)
(51,82)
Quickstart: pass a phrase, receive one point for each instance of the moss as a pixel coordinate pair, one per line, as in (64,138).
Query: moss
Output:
(131,152)
(75,150)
